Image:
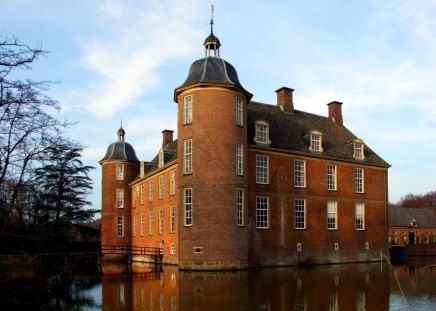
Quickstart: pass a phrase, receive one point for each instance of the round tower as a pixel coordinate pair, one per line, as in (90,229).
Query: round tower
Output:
(120,166)
(212,151)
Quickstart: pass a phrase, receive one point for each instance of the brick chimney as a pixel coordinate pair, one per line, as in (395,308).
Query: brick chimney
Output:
(284,99)
(335,112)
(167,137)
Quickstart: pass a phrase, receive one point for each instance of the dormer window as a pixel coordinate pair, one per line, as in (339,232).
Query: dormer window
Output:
(315,141)
(359,149)
(161,158)
(262,133)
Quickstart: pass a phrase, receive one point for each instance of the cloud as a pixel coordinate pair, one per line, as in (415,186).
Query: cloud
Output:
(125,62)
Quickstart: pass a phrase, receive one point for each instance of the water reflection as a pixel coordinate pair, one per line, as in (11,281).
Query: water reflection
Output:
(333,287)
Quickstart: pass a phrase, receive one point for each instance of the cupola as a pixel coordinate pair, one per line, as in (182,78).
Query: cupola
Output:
(120,150)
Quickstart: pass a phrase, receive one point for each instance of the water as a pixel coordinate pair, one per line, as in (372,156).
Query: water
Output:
(365,287)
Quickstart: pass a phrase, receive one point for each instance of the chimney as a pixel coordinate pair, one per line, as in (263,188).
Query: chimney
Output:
(167,137)
(284,99)
(335,112)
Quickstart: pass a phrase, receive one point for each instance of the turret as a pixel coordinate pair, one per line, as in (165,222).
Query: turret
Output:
(119,167)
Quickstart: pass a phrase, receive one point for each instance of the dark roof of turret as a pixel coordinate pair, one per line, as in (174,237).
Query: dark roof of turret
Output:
(402,217)
(211,71)
(290,132)
(120,150)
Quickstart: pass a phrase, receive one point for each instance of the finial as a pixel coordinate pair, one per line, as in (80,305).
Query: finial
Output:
(121,133)
(211,18)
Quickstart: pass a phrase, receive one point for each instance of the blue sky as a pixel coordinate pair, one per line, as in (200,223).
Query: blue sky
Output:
(121,60)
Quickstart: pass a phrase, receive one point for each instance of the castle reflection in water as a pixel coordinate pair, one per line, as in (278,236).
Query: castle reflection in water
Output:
(330,287)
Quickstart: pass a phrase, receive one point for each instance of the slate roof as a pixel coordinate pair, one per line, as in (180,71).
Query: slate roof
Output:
(290,132)
(120,150)
(170,155)
(401,217)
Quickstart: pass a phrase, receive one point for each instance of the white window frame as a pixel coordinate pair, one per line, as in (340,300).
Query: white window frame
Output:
(300,173)
(262,133)
(359,182)
(172,248)
(331,177)
(134,225)
(239,111)
(172,219)
(262,212)
(240,207)
(332,215)
(150,222)
(300,214)
(359,149)
(161,186)
(142,224)
(120,226)
(161,158)
(120,198)
(187,207)
(161,221)
(120,172)
(360,216)
(315,141)
(187,156)
(150,191)
(262,169)
(172,182)
(142,194)
(239,158)
(134,193)
(187,110)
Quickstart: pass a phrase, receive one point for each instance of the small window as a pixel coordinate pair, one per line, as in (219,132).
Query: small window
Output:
(142,224)
(161,221)
(360,216)
(150,191)
(120,198)
(172,219)
(150,222)
(359,149)
(142,195)
(161,158)
(134,225)
(161,186)
(300,213)
(331,177)
(262,133)
(188,110)
(172,248)
(358,180)
(120,226)
(315,141)
(172,182)
(240,206)
(239,158)
(188,206)
(300,173)
(134,193)
(262,206)
(262,169)
(332,215)
(187,156)
(239,112)
(120,172)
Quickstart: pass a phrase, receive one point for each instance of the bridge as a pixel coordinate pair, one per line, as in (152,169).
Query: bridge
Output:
(128,252)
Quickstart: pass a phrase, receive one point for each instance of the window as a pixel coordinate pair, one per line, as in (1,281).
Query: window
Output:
(188,110)
(240,206)
(161,221)
(360,216)
(331,177)
(142,194)
(172,182)
(150,191)
(239,111)
(134,225)
(300,173)
(161,158)
(120,226)
(359,147)
(173,249)
(150,222)
(262,133)
(187,156)
(120,172)
(261,169)
(172,219)
(142,224)
(239,158)
(262,203)
(161,186)
(332,213)
(188,206)
(358,180)
(134,192)
(315,141)
(300,213)
(120,198)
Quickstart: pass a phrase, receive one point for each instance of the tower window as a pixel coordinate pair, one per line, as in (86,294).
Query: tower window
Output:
(240,206)
(120,172)
(187,156)
(239,112)
(188,110)
(188,206)
(239,158)
(120,198)
(262,133)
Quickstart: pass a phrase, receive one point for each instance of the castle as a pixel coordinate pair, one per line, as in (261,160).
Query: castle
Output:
(247,184)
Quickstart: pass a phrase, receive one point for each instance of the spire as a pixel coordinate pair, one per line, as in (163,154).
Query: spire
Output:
(212,42)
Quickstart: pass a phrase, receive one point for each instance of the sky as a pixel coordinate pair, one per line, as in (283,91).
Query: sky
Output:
(120,61)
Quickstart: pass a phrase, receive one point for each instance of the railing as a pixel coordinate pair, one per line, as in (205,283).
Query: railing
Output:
(131,250)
